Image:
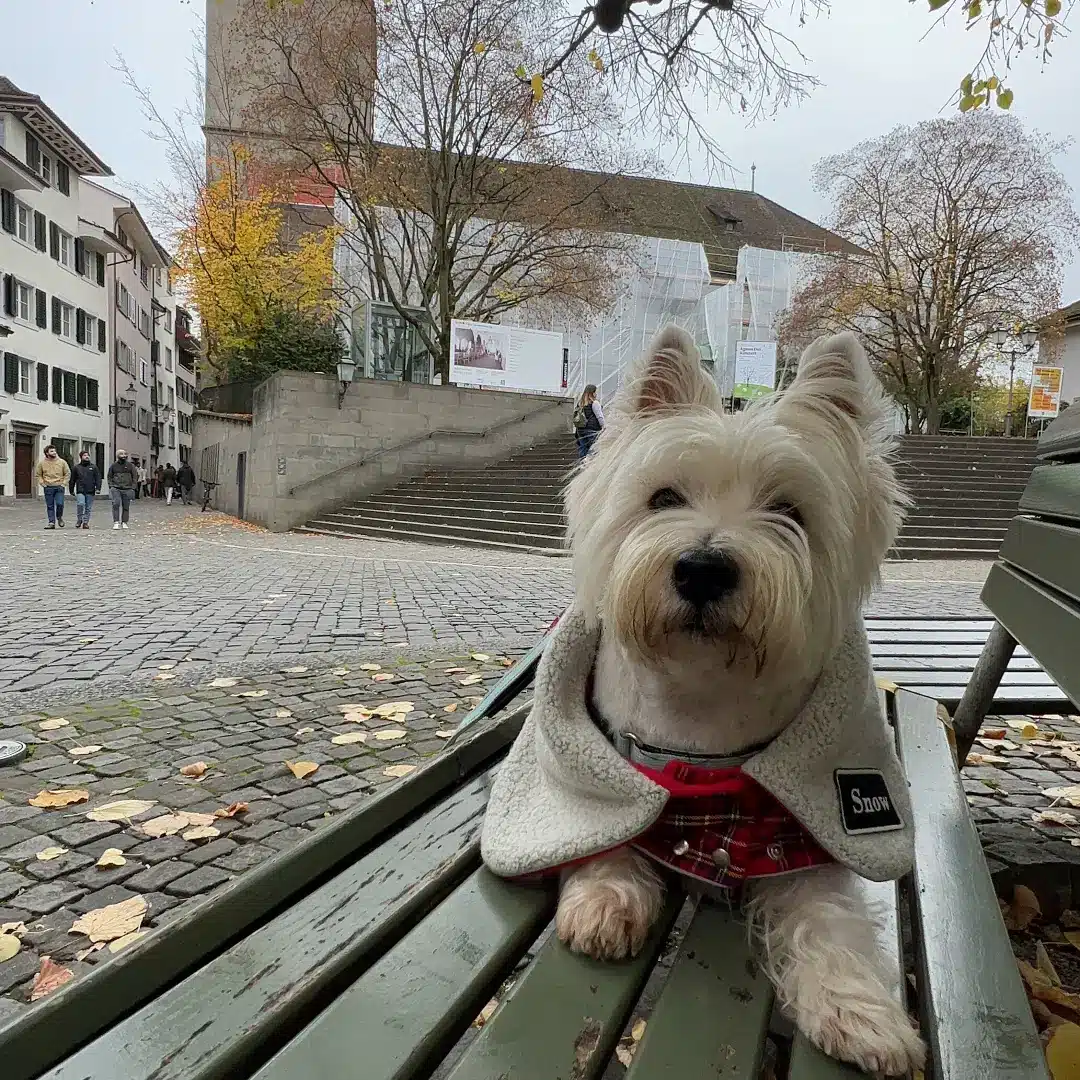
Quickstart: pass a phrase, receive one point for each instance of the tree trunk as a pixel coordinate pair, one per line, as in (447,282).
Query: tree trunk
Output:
(933,408)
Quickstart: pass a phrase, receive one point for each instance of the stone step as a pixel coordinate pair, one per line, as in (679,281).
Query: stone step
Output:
(901,554)
(427,519)
(528,508)
(444,534)
(929,540)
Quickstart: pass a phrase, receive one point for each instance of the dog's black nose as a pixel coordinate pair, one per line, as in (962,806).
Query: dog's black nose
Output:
(702,577)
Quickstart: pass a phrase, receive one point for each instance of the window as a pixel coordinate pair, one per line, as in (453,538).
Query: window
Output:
(144,274)
(46,169)
(67,321)
(63,177)
(172,398)
(25,368)
(168,283)
(168,358)
(24,223)
(172,437)
(1,144)
(143,373)
(33,153)
(144,322)
(67,249)
(168,322)
(125,303)
(144,421)
(24,300)
(122,237)
(157,277)
(66,448)
(125,358)
(70,388)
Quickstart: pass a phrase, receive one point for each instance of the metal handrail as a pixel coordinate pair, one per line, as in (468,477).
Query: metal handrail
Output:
(424,437)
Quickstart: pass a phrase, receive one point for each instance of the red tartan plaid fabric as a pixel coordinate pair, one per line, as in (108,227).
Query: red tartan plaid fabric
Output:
(723,810)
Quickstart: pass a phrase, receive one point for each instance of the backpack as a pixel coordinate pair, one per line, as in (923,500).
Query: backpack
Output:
(581,417)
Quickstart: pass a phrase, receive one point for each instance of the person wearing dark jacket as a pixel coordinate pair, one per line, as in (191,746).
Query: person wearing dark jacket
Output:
(123,479)
(84,484)
(185,477)
(168,479)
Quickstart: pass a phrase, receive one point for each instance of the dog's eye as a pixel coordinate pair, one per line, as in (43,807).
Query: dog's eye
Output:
(788,510)
(666,499)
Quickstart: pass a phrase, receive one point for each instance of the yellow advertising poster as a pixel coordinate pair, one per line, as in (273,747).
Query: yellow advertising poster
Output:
(1045,399)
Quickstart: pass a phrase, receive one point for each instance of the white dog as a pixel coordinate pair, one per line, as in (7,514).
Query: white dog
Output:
(721,563)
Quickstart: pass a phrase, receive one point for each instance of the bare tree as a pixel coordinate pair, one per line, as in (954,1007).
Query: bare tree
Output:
(964,225)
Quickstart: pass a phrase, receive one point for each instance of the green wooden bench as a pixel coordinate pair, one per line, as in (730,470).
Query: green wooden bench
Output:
(1033,590)
(368,951)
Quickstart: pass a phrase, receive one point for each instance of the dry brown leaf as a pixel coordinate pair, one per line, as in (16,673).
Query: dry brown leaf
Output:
(167,666)
(113,921)
(59,797)
(196,768)
(480,657)
(456,670)
(1054,817)
(638,1030)
(371,667)
(164,676)
(171,824)
(1045,964)
(17,928)
(9,946)
(383,676)
(355,706)
(340,671)
(471,680)
(997,744)
(303,731)
(1063,1052)
(625,1054)
(398,770)
(1024,908)
(997,733)
(222,683)
(390,734)
(1068,795)
(82,954)
(1068,754)
(122,810)
(300,769)
(1041,988)
(986,759)
(394,708)
(126,940)
(53,724)
(283,714)
(886,685)
(50,977)
(355,718)
(486,1013)
(201,832)
(50,853)
(254,693)
(232,810)
(1026,728)
(452,707)
(444,734)
(350,737)
(506,662)
(111,857)
(84,751)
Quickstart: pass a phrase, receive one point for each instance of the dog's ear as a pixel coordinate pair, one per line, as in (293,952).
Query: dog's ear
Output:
(835,371)
(671,374)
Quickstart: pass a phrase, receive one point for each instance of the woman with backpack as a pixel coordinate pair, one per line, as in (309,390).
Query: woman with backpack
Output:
(588,420)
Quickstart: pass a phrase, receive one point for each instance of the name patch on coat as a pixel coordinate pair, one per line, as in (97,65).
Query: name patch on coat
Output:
(865,803)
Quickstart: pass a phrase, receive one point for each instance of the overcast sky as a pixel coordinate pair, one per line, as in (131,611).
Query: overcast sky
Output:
(875,73)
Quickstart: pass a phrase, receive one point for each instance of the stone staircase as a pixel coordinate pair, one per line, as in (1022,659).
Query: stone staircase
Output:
(965,492)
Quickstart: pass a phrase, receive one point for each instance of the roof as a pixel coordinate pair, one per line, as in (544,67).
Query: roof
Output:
(1070,313)
(44,123)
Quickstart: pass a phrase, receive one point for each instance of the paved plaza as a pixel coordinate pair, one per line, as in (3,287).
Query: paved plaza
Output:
(195,640)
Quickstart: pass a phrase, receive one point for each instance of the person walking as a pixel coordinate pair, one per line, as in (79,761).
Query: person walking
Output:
(84,485)
(52,473)
(140,475)
(123,480)
(157,489)
(185,477)
(168,478)
(588,420)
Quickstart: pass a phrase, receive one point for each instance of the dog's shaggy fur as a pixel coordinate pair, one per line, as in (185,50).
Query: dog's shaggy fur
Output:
(797,497)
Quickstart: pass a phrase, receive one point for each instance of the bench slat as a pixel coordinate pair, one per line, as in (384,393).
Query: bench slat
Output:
(218,1018)
(1011,679)
(1053,490)
(928,624)
(412,1005)
(1045,550)
(964,957)
(949,663)
(809,1063)
(711,1017)
(564,1015)
(933,650)
(913,636)
(1045,623)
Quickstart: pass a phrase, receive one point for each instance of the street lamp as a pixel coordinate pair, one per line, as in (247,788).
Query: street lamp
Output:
(346,372)
(1027,340)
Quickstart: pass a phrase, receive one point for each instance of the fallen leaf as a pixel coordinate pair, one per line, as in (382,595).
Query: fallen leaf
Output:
(355,707)
(113,921)
(1045,964)
(1024,907)
(50,977)
(390,734)
(394,708)
(168,666)
(87,640)
(17,928)
(456,670)
(1063,1052)
(371,667)
(350,737)
(507,662)
(397,644)
(383,676)
(300,769)
(986,759)
(222,683)
(1068,795)
(126,940)
(196,768)
(356,718)
(444,734)
(637,1030)
(452,707)
(171,824)
(340,671)
(398,770)
(164,676)
(254,693)
(296,669)
(486,1013)
(1026,728)
(59,797)
(82,954)
(1054,817)
(303,731)
(1041,988)
(283,714)
(49,853)
(625,1054)
(201,832)
(123,810)
(84,751)
(997,733)
(481,657)
(997,744)
(111,857)
(53,724)
(1067,754)
(9,946)
(232,810)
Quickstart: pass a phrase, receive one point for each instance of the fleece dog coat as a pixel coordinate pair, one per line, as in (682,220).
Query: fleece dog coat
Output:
(564,793)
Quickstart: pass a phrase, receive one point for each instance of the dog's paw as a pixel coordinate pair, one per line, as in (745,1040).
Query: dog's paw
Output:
(876,1036)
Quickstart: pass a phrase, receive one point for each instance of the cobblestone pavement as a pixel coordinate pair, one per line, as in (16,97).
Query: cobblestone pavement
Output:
(95,613)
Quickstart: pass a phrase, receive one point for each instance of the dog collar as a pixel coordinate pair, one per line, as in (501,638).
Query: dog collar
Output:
(629,746)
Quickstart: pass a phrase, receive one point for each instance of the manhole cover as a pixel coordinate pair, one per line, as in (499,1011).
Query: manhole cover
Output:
(11,751)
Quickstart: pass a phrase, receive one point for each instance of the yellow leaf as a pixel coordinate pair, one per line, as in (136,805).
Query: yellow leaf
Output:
(394,708)
(390,734)
(231,810)
(17,928)
(452,707)
(300,769)
(165,825)
(355,707)
(1053,8)
(1044,964)
(637,1030)
(51,976)
(350,737)
(111,922)
(398,770)
(196,768)
(537,83)
(471,680)
(306,730)
(884,684)
(1069,795)
(201,832)
(486,1013)
(111,857)
(444,734)
(1054,817)
(123,810)
(625,1054)
(222,683)
(59,797)
(1025,907)
(1026,728)
(84,751)
(479,48)
(456,670)
(50,853)
(9,946)
(1063,1050)
(53,724)
(479,656)
(128,939)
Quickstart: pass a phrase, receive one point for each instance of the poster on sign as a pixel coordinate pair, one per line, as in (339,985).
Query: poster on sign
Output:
(1045,398)
(506,357)
(755,369)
